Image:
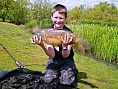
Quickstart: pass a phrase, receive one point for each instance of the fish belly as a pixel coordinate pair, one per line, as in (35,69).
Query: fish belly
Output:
(53,41)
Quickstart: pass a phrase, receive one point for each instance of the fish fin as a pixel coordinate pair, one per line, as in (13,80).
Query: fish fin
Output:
(56,47)
(75,48)
(78,48)
(31,40)
(81,49)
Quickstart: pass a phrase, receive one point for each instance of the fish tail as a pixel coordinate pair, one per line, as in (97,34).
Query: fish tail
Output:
(82,51)
(80,46)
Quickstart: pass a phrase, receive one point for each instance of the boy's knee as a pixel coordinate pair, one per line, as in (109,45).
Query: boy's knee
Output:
(67,77)
(49,76)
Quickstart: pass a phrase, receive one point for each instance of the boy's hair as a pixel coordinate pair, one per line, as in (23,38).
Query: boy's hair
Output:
(60,8)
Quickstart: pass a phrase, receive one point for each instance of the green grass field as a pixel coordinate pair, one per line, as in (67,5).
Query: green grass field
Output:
(92,73)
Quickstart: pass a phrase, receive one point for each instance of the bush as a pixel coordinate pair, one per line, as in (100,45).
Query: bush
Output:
(31,24)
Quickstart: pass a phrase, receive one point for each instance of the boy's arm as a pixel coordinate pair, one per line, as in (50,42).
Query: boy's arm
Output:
(66,51)
(48,49)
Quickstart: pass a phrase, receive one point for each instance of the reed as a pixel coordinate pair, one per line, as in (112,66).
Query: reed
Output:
(103,40)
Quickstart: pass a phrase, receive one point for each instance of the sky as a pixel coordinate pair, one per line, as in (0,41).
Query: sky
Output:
(89,3)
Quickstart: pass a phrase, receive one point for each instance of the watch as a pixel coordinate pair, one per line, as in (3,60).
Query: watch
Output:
(64,48)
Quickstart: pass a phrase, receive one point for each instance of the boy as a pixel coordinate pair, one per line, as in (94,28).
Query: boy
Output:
(60,63)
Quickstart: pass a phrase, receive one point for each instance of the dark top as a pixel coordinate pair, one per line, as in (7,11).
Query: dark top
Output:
(58,54)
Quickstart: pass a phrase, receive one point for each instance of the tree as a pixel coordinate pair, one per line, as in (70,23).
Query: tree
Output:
(106,11)
(18,11)
(103,11)
(41,11)
(4,8)
(75,13)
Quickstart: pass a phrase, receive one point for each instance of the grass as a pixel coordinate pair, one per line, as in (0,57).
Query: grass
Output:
(92,73)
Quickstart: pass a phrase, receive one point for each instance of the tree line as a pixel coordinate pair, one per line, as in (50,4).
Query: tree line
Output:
(39,11)
(102,12)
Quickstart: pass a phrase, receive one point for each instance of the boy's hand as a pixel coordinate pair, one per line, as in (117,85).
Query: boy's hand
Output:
(37,40)
(66,41)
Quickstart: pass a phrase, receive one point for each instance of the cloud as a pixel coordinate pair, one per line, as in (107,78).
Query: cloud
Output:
(67,1)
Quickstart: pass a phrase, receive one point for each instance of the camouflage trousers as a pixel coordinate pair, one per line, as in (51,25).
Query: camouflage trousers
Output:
(64,70)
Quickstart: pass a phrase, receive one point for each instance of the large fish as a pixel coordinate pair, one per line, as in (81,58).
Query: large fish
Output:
(53,37)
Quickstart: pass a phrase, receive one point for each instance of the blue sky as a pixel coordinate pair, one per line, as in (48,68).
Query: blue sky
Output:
(89,3)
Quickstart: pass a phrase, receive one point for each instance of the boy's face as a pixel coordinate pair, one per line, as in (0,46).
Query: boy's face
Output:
(58,20)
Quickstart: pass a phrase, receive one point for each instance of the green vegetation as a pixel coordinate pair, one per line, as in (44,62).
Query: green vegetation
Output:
(17,41)
(101,12)
(102,40)
(38,13)
(92,73)
(25,12)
